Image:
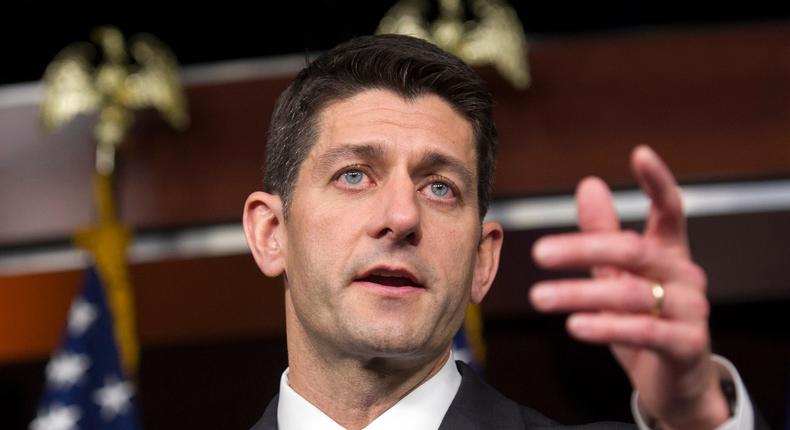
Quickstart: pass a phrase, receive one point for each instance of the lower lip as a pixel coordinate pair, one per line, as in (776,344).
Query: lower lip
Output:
(388,290)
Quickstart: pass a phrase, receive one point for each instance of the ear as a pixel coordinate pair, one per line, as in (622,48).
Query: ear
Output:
(487,260)
(264,228)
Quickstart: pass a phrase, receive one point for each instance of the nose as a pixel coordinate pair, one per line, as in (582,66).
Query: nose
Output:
(396,215)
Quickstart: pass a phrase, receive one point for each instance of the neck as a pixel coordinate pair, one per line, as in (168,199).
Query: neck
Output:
(353,391)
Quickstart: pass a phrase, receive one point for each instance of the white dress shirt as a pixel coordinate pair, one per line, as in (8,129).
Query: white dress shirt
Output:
(742,414)
(424,408)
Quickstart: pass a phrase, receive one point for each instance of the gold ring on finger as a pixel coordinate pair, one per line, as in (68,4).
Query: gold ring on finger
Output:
(658,297)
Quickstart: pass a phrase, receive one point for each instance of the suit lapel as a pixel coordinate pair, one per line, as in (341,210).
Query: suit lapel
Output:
(269,419)
(473,406)
(478,406)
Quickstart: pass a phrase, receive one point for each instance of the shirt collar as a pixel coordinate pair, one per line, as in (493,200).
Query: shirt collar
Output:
(422,409)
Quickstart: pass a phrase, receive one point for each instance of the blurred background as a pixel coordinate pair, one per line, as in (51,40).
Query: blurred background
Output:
(705,84)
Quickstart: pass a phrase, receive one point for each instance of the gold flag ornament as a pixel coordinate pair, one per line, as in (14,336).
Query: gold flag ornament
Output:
(494,37)
(107,242)
(113,88)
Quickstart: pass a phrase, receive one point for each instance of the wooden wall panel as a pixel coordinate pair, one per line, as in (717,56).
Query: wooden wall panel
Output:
(33,312)
(204,175)
(179,302)
(715,102)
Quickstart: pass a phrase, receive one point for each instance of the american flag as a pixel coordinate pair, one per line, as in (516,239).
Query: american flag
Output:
(85,385)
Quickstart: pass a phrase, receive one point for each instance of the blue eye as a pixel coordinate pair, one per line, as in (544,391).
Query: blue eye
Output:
(353,177)
(439,189)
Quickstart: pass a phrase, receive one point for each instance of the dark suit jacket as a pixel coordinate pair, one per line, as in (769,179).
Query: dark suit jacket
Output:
(476,406)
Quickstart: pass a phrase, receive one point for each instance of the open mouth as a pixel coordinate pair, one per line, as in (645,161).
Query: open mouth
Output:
(391,279)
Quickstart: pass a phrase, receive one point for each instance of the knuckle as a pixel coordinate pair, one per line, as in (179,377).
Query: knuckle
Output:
(696,343)
(687,343)
(691,306)
(703,308)
(698,277)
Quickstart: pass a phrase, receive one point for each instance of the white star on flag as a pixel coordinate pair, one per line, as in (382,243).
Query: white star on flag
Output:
(114,397)
(58,417)
(81,316)
(67,369)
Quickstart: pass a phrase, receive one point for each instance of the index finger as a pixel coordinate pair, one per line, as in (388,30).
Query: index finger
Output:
(665,221)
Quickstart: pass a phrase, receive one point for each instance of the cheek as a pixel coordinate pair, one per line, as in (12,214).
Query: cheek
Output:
(455,249)
(318,246)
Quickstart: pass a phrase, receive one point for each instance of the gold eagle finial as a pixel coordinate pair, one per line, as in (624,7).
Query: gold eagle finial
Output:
(496,37)
(73,86)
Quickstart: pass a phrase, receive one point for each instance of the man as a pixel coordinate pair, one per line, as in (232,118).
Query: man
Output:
(378,176)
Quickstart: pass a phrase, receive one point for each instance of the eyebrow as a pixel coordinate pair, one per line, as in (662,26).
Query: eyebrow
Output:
(365,152)
(429,161)
(432,161)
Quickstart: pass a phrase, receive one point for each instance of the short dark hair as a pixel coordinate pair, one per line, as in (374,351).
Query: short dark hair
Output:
(408,66)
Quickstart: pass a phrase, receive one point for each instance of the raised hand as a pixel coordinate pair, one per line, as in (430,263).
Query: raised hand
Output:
(646,298)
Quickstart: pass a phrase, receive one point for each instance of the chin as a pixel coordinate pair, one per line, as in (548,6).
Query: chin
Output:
(394,342)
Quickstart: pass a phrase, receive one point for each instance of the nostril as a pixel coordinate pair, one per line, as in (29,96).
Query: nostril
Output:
(411,237)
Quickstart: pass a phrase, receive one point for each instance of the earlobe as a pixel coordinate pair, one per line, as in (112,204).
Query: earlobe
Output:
(265,232)
(487,260)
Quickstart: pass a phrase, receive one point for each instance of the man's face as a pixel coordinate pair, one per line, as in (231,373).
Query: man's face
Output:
(383,232)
